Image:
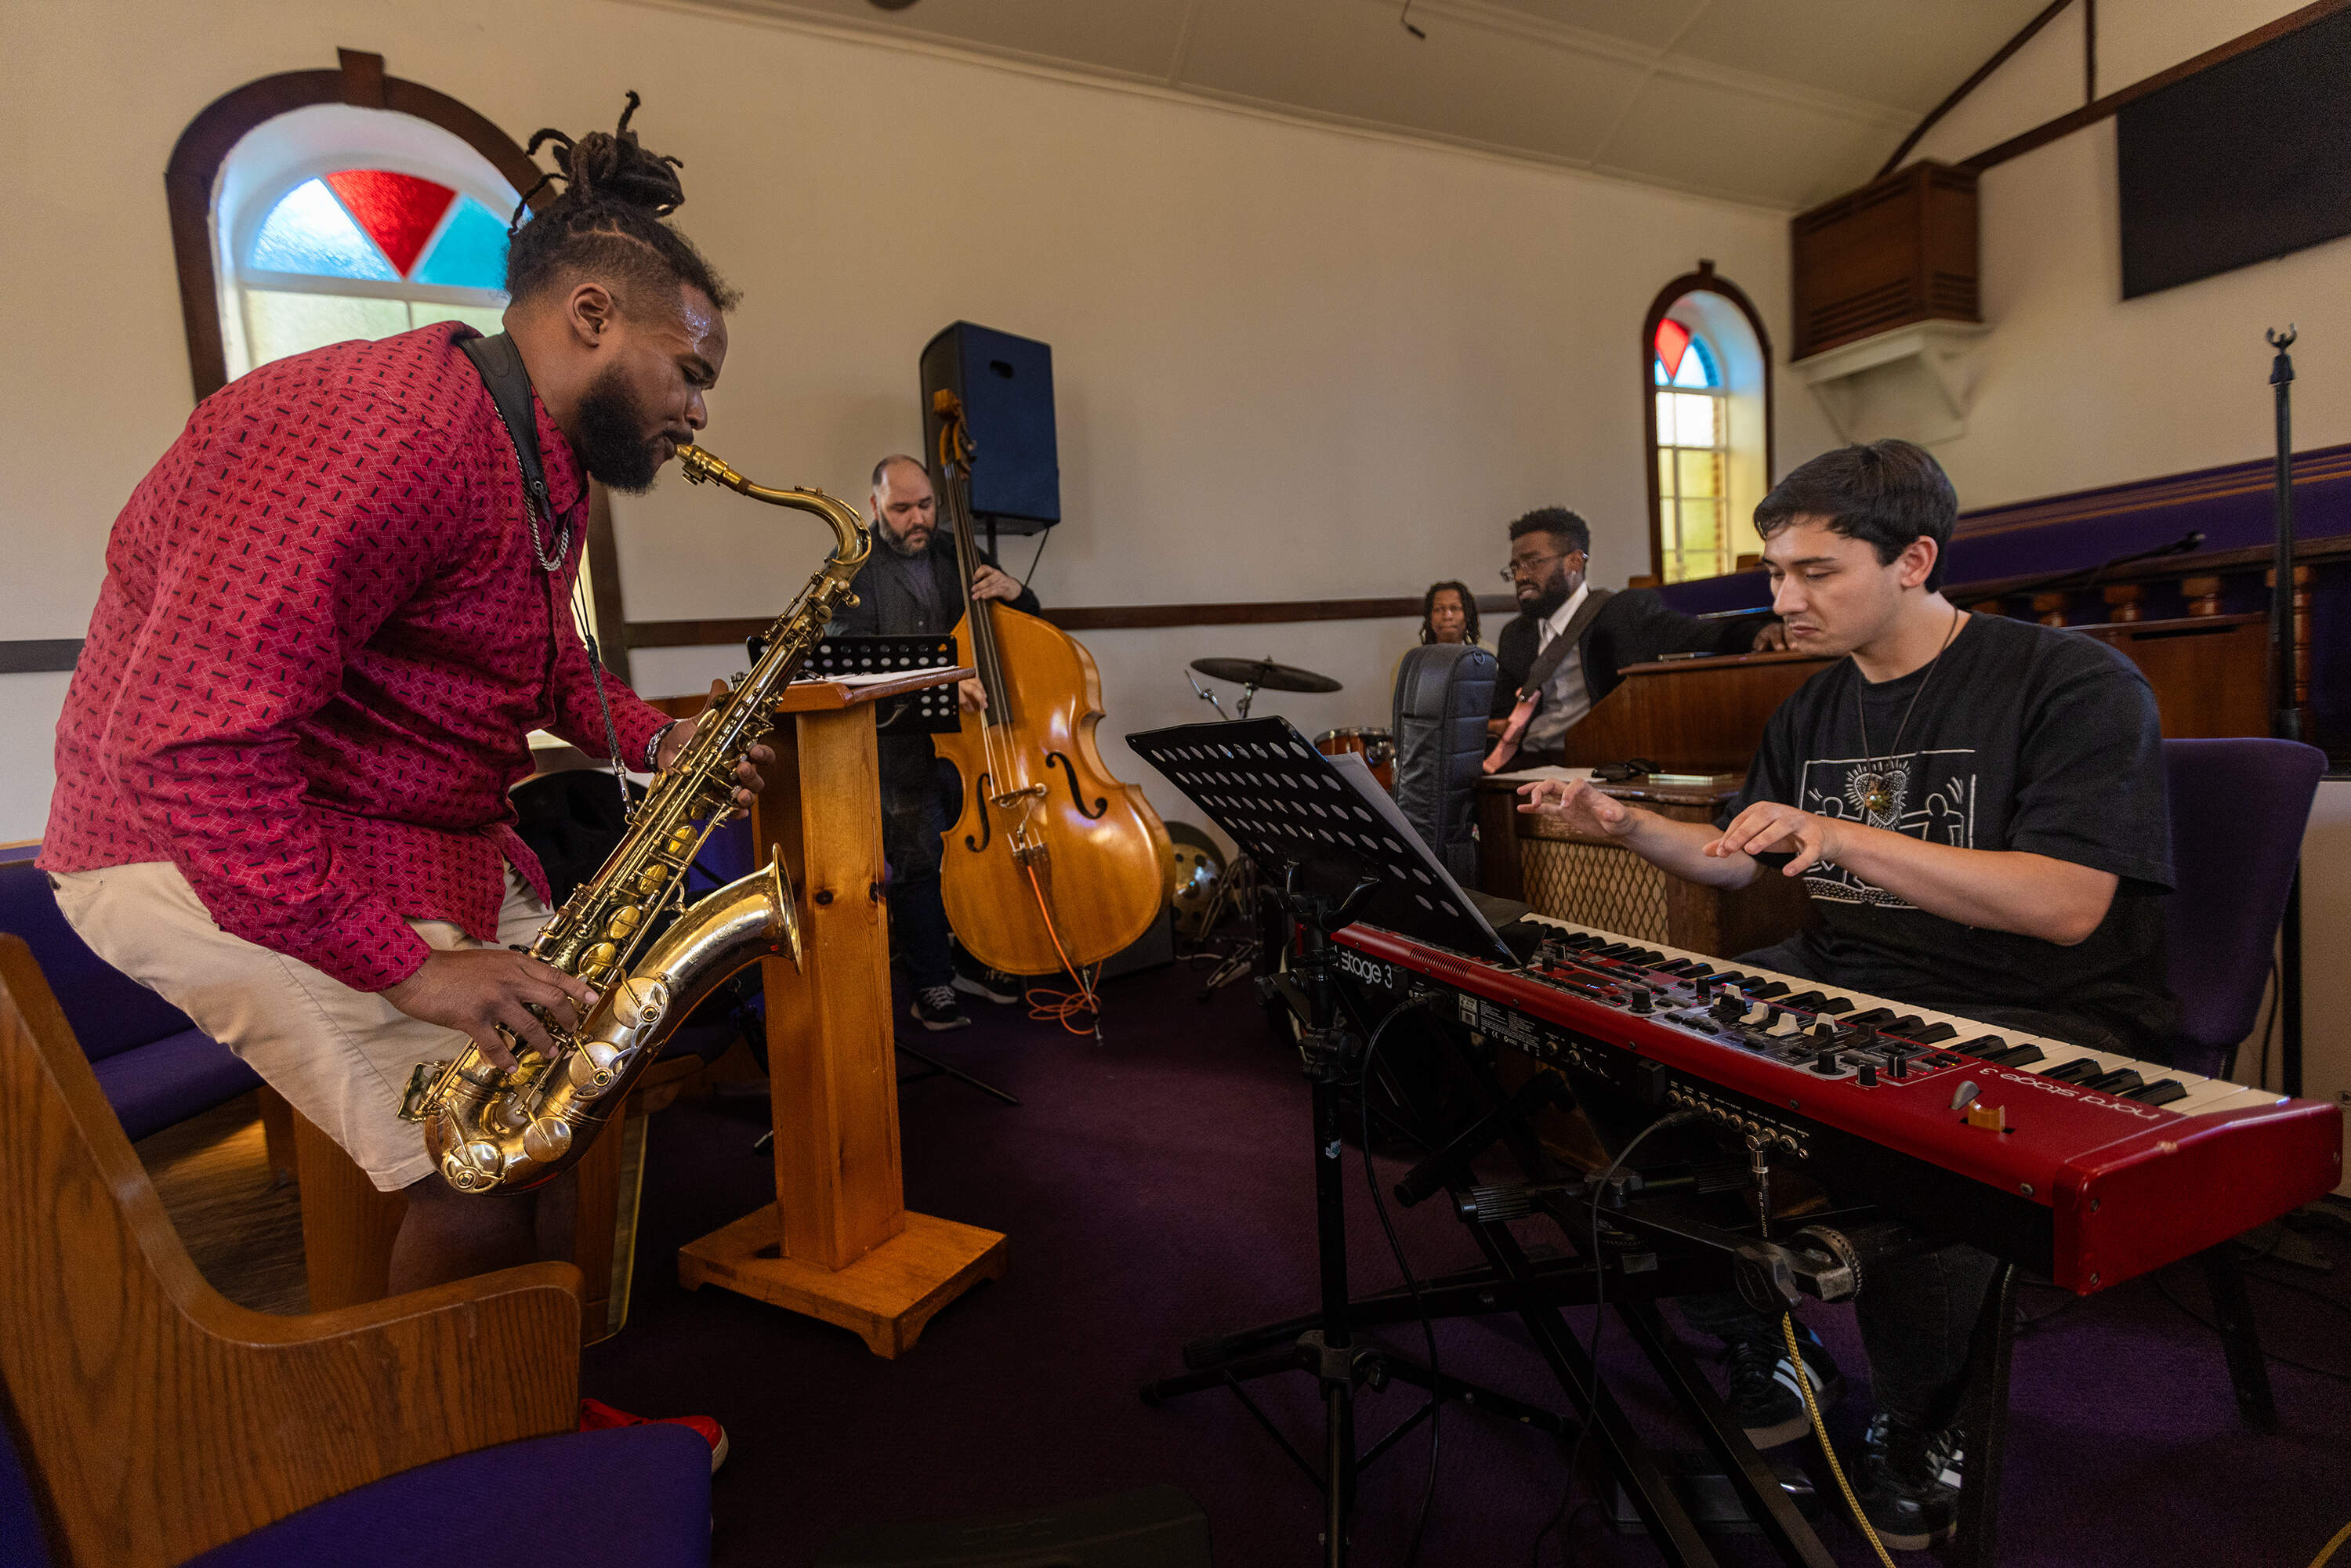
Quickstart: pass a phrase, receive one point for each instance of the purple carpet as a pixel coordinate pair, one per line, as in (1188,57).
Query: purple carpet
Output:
(1156,1188)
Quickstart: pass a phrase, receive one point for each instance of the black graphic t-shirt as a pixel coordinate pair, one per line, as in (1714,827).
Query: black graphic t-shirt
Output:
(2025,738)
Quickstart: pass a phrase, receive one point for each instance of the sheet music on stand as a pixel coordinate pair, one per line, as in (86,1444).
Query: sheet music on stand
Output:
(1288,804)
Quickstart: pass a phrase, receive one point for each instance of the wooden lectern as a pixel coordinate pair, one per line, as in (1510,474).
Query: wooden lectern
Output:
(838,1243)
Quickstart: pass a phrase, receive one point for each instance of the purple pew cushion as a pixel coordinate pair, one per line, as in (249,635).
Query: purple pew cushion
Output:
(166,1081)
(21,1545)
(638,1496)
(108,1010)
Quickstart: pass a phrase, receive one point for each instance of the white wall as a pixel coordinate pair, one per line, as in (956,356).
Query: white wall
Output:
(1291,362)
(2077,386)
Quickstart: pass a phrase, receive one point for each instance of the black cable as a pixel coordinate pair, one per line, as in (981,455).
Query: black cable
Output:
(1412,1283)
(1044,538)
(2268,1354)
(1599,1317)
(2277,995)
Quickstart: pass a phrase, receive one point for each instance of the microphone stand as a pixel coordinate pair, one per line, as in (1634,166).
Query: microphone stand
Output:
(2286,714)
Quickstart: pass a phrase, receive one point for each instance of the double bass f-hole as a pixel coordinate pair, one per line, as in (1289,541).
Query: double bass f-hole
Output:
(1070,772)
(979,796)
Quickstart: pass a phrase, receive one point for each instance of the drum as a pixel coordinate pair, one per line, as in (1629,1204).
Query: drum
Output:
(1375,747)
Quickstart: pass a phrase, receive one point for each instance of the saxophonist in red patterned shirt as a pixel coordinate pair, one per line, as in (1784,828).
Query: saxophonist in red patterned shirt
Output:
(331,615)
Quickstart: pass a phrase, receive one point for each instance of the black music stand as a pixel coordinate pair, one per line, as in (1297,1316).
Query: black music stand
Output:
(1347,853)
(1339,851)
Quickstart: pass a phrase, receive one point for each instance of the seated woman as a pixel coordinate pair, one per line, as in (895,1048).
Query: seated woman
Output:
(1448,613)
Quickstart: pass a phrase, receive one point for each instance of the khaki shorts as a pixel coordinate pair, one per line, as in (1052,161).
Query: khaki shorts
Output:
(340,1057)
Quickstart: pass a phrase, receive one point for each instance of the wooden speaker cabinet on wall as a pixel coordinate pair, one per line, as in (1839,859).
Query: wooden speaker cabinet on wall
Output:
(1898,250)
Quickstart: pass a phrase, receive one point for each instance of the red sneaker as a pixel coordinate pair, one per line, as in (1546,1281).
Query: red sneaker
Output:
(595,1416)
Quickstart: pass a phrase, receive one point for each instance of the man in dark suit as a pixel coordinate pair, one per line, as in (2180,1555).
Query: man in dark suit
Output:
(1543,692)
(911,586)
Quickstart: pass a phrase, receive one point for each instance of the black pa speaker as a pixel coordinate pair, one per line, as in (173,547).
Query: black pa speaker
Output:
(1007,387)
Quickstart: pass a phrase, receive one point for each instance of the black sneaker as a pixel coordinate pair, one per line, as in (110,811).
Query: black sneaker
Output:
(997,987)
(1906,1482)
(1763,1394)
(935,1008)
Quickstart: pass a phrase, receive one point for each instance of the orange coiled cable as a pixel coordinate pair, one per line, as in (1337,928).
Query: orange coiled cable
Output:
(1063,1006)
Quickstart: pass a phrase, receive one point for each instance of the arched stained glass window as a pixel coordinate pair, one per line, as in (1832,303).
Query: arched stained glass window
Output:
(1707,374)
(326,239)
(1693,455)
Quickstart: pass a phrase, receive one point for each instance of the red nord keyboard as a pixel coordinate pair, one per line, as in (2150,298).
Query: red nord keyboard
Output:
(2087,1167)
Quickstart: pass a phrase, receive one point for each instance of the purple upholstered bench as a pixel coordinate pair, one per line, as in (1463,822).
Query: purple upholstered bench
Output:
(635,1496)
(157,1068)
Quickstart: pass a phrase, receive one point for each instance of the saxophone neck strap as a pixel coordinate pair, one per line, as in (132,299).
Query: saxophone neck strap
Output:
(501,367)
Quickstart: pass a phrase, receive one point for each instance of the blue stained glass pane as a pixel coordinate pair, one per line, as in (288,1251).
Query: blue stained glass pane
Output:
(308,232)
(471,252)
(1657,370)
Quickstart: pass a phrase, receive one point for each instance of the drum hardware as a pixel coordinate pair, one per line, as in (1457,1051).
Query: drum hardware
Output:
(1196,870)
(1250,674)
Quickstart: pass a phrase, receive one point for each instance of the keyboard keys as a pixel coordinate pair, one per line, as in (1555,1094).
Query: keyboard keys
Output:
(2081,1069)
(2162,1092)
(1933,1034)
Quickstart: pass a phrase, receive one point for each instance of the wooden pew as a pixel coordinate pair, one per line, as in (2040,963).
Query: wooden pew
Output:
(157,1420)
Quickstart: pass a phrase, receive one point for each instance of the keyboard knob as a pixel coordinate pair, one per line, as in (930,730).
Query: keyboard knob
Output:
(1826,1064)
(1867,1073)
(1643,1002)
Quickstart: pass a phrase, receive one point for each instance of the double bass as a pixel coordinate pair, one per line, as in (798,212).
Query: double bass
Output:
(1051,863)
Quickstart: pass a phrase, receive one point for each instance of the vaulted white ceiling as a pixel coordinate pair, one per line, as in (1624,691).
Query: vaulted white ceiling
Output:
(1783,102)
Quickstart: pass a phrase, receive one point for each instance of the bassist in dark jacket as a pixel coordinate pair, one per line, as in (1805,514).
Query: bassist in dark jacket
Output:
(909,587)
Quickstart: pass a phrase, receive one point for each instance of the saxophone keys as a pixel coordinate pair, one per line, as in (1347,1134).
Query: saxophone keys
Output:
(547,1138)
(625,920)
(651,879)
(601,956)
(681,841)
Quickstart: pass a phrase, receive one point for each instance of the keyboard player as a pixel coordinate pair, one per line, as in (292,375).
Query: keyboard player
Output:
(1976,807)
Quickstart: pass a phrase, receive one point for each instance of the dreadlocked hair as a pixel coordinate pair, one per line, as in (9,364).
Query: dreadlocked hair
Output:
(607,223)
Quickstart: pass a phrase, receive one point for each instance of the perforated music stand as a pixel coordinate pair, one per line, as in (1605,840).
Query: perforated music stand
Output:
(1290,806)
(1337,849)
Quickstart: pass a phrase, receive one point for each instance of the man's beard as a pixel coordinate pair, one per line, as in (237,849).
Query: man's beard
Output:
(905,545)
(612,444)
(1544,604)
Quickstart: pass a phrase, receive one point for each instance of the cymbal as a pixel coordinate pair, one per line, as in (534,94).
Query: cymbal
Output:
(1266,674)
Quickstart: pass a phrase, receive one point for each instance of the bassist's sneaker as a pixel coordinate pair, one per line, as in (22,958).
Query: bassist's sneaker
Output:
(595,1416)
(935,1008)
(995,985)
(1763,1394)
(1906,1483)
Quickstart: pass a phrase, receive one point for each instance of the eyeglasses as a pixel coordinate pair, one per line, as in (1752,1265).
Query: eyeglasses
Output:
(1533,564)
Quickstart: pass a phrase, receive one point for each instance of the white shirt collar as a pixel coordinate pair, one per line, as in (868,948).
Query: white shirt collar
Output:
(1556,622)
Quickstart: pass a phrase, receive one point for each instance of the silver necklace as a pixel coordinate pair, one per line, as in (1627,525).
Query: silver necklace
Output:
(1882,788)
(549,564)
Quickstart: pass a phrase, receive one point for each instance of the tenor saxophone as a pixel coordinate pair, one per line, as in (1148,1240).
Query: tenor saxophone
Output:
(489,1128)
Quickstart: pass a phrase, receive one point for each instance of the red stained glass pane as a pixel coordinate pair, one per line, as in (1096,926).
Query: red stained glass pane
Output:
(1673,342)
(399,212)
